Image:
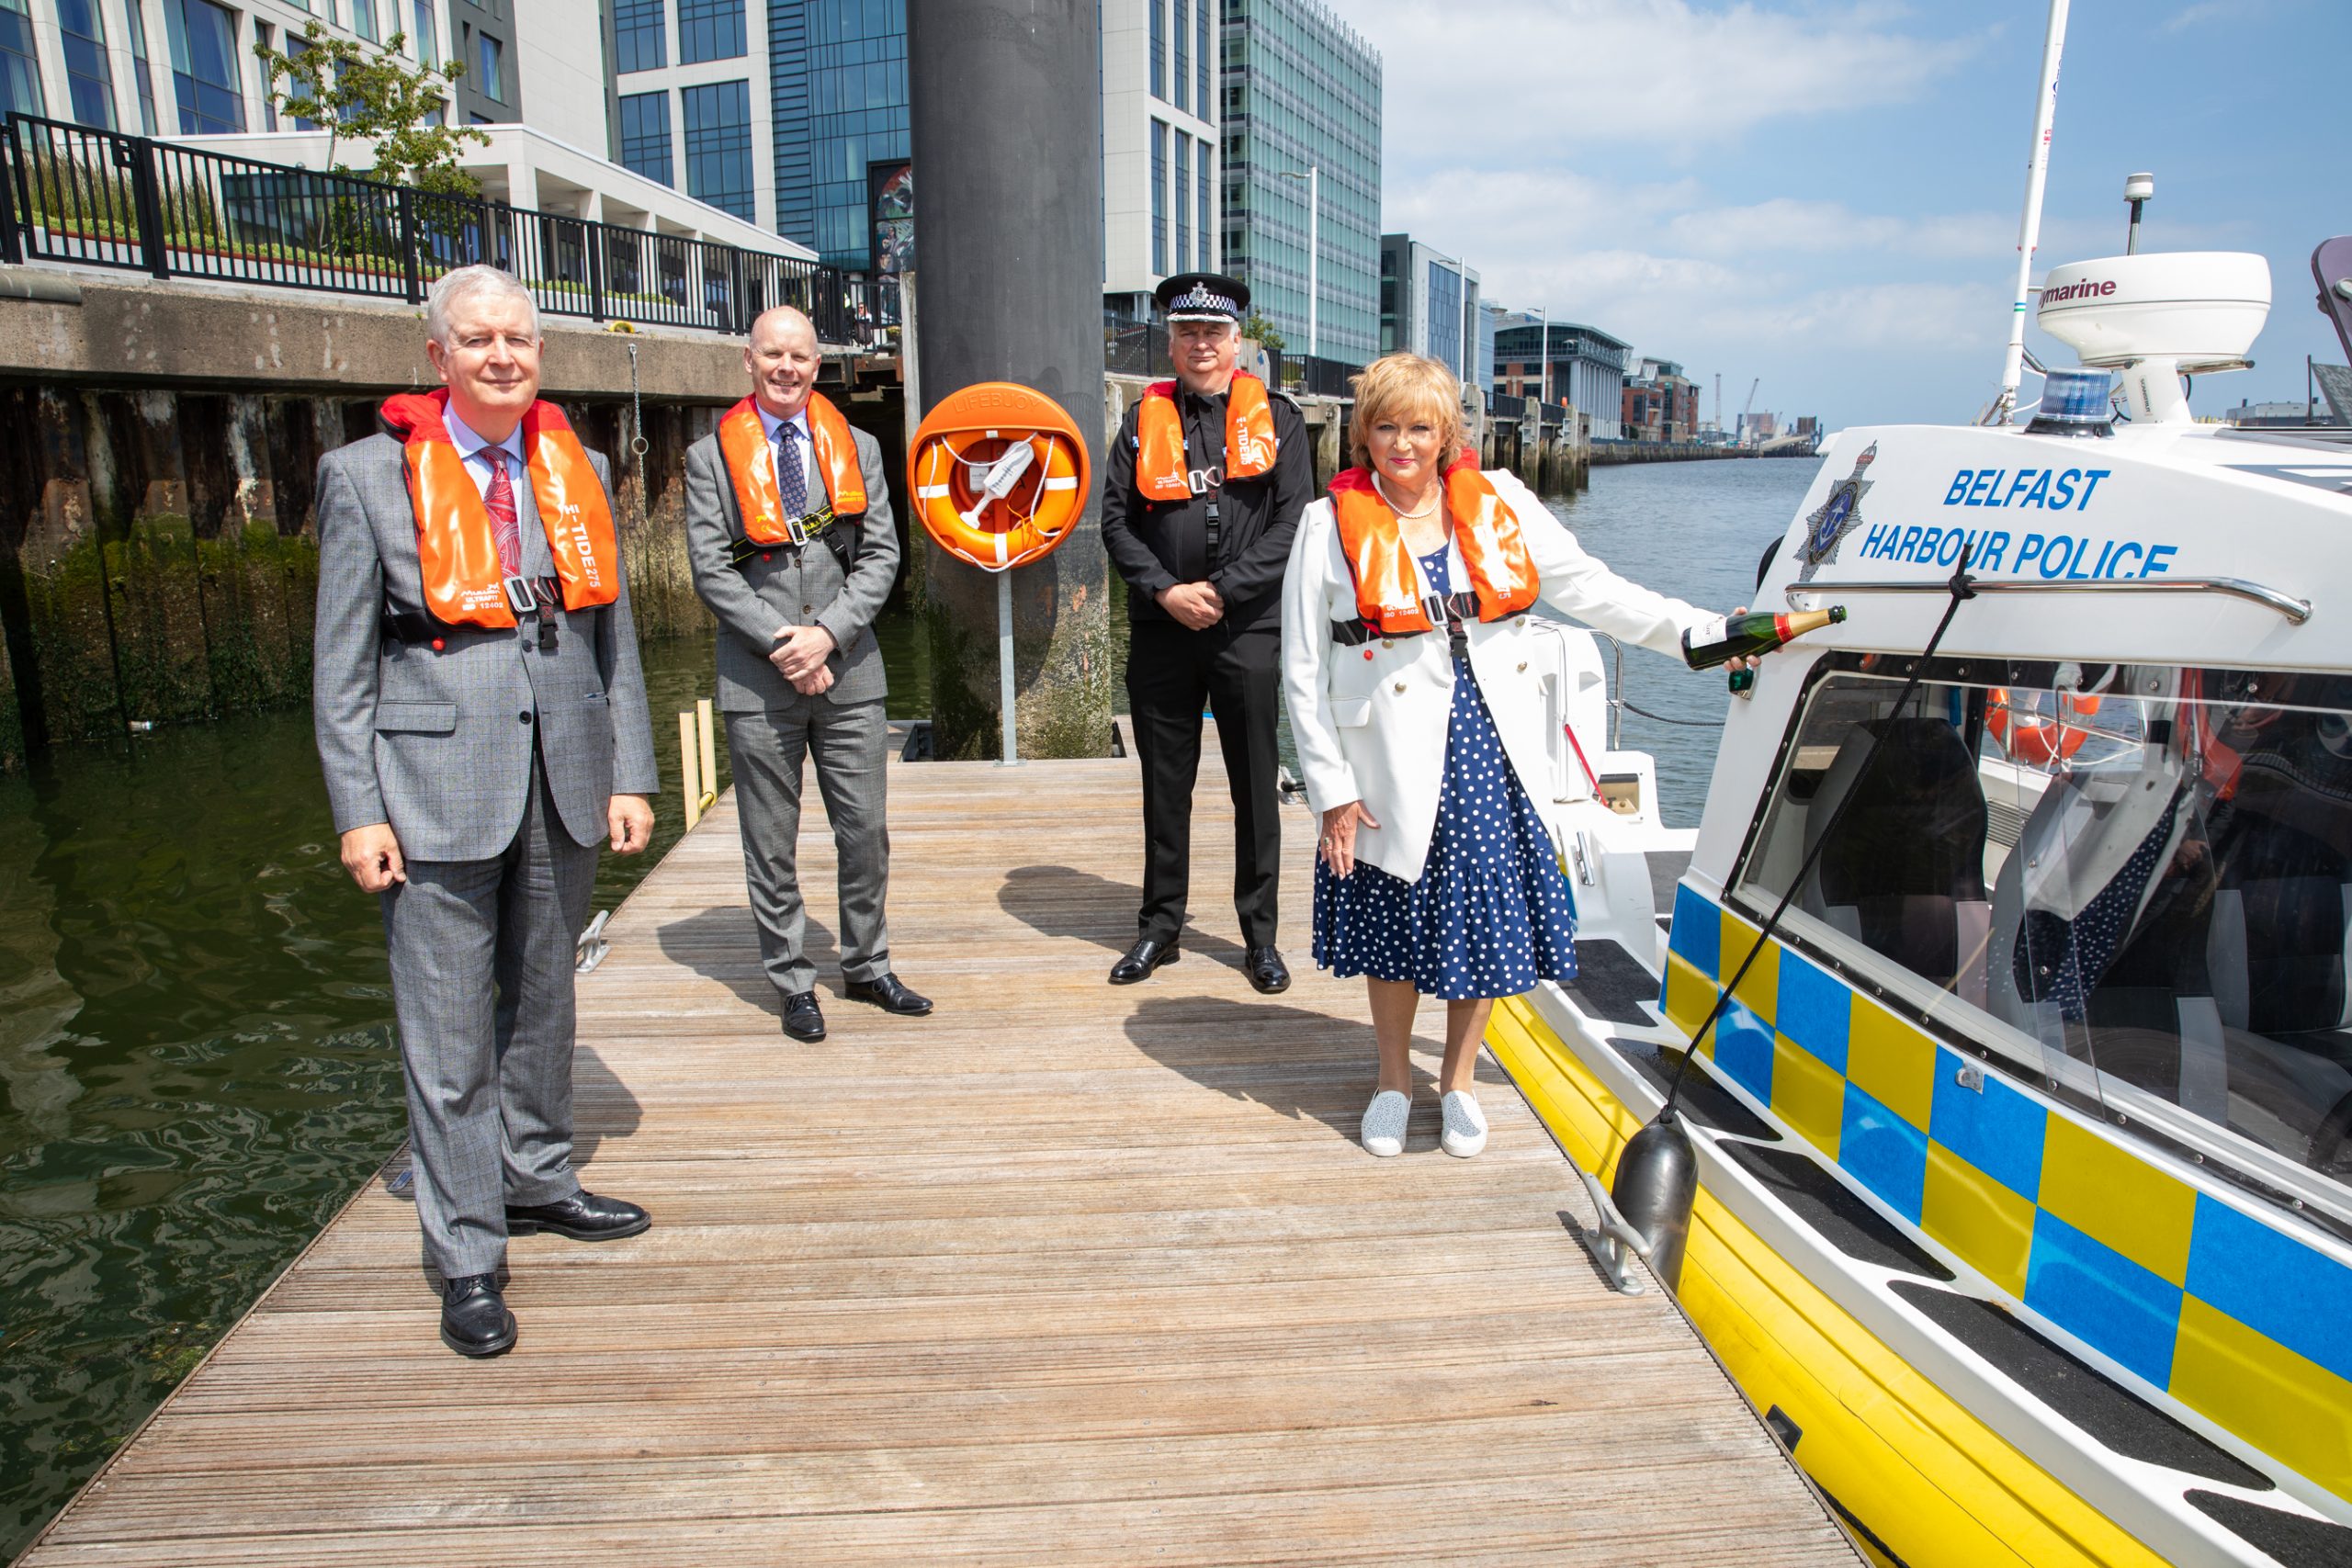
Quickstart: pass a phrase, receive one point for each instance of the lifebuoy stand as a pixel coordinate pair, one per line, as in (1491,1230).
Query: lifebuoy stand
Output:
(998,475)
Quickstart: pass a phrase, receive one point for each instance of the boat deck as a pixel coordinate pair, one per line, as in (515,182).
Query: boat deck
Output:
(1064,1274)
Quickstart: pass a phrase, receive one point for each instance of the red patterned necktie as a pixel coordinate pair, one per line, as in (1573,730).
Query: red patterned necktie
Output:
(504,528)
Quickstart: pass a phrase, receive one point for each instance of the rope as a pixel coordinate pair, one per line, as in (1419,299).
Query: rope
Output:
(1661,719)
(1961,587)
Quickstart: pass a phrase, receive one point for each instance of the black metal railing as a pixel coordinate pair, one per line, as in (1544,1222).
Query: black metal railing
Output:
(103,198)
(1306,376)
(1504,406)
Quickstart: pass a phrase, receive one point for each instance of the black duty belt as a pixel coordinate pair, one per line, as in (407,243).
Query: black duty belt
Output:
(820,523)
(1447,610)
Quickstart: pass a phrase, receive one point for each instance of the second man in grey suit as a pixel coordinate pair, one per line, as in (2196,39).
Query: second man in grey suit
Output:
(789,532)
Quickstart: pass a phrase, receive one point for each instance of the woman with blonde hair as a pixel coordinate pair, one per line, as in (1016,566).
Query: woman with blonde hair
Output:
(1406,672)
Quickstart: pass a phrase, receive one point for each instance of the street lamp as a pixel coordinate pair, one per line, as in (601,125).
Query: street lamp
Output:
(1313,176)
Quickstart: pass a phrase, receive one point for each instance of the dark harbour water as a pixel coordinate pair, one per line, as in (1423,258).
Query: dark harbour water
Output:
(196,1057)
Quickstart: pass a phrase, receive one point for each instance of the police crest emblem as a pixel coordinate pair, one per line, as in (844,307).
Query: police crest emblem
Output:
(1827,527)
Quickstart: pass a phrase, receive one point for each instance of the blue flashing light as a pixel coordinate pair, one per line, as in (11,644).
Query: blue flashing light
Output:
(2075,402)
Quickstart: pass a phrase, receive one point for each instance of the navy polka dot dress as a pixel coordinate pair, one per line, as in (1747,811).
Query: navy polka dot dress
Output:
(1491,914)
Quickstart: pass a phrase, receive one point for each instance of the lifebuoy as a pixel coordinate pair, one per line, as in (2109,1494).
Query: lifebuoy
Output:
(2031,737)
(998,475)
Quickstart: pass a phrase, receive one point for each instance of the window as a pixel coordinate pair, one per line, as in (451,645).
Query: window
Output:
(1445,330)
(1159,48)
(709,29)
(426,37)
(639,43)
(1181,77)
(719,146)
(645,136)
(1184,206)
(135,28)
(204,67)
(1160,197)
(1201,54)
(1201,203)
(89,79)
(2134,881)
(363,20)
(488,68)
(20,66)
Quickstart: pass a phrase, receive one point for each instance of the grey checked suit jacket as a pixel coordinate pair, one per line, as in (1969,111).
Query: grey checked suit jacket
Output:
(438,744)
(794,588)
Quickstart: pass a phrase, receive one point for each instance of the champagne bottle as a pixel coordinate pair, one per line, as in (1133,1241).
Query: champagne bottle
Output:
(1743,637)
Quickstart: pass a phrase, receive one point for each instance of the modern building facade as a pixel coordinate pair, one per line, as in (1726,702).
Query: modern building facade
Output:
(1160,207)
(1302,94)
(186,68)
(689,100)
(1659,403)
(1428,304)
(793,114)
(1588,368)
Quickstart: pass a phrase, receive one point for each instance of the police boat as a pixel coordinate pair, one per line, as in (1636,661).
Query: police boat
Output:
(2023,1145)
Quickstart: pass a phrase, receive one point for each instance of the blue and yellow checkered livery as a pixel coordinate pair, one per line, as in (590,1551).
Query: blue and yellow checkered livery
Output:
(2242,1320)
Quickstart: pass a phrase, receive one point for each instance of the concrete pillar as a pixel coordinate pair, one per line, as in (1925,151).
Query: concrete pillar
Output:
(1012,292)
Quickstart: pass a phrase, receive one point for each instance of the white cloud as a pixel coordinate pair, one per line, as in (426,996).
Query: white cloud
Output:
(1669,73)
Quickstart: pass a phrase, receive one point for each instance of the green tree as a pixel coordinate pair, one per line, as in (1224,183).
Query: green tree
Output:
(1261,332)
(357,92)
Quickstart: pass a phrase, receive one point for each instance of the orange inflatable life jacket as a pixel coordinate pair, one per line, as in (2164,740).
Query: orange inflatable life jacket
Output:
(1160,470)
(750,457)
(463,585)
(1388,594)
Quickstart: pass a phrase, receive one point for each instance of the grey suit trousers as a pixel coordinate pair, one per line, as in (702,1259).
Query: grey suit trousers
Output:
(489,1072)
(850,743)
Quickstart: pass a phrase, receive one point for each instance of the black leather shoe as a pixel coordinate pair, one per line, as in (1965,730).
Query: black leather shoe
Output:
(474,1319)
(583,1216)
(884,992)
(1143,958)
(803,1020)
(1266,970)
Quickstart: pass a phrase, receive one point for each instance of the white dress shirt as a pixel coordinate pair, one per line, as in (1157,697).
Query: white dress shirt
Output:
(475,451)
(811,485)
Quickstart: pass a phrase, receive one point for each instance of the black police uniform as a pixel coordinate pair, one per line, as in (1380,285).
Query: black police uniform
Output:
(1235,534)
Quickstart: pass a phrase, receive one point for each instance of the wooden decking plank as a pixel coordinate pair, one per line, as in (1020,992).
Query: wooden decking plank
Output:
(1065,1274)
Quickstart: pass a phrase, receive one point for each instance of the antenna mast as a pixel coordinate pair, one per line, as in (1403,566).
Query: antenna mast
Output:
(2037,174)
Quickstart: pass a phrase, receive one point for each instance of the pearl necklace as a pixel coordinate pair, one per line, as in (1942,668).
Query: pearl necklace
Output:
(1403,515)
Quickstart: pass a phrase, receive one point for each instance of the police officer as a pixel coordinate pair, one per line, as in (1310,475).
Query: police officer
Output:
(1204,488)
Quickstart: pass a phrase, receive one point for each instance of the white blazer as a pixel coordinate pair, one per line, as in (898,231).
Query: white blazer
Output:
(1373,728)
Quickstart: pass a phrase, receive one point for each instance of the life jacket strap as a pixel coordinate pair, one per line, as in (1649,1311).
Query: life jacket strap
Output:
(1447,610)
(836,531)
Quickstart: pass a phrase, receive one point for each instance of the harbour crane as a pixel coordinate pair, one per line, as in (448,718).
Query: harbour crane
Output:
(1750,408)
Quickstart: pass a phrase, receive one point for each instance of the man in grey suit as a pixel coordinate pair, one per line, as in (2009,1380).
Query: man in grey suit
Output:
(474,767)
(800,674)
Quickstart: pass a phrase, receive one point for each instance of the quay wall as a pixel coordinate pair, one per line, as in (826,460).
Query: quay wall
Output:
(158,553)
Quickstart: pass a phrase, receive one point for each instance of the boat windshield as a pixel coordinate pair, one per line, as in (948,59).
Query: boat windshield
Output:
(2137,882)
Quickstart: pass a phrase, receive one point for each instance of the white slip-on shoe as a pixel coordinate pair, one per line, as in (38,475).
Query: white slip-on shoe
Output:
(1384,1122)
(1466,1124)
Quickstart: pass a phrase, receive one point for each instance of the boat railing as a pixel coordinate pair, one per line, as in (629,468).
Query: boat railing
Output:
(1803,595)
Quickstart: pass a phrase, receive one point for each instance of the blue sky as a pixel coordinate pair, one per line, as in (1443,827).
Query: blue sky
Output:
(1825,195)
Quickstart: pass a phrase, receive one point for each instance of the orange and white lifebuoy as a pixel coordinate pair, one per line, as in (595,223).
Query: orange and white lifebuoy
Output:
(2030,737)
(998,475)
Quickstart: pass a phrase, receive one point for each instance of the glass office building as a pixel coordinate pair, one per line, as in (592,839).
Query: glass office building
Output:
(1302,91)
(838,81)
(1429,304)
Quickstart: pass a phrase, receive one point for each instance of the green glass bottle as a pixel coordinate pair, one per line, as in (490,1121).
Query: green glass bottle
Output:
(1744,637)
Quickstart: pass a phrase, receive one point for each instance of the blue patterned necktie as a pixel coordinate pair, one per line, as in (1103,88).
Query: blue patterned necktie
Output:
(791,474)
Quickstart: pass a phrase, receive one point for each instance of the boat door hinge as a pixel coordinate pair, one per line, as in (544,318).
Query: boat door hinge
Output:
(1583,864)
